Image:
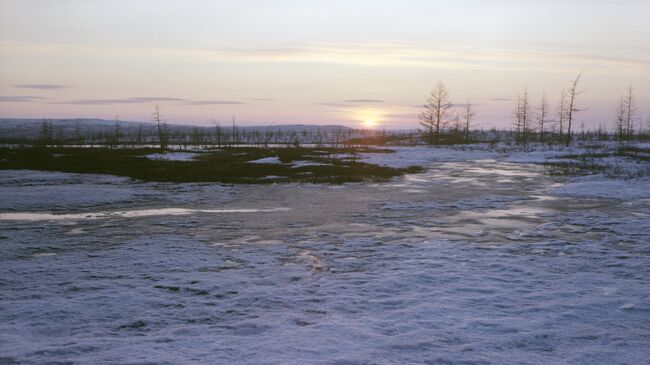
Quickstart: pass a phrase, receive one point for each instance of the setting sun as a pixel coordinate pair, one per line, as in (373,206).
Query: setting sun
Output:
(369,123)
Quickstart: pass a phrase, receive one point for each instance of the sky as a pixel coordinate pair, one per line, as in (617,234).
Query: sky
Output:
(317,62)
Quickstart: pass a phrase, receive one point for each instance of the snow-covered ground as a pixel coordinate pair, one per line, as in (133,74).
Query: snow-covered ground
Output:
(173,156)
(483,258)
(271,160)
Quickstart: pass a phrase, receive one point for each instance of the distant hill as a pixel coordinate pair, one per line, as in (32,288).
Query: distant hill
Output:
(31,128)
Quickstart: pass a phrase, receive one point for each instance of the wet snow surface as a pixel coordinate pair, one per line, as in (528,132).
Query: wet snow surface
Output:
(477,260)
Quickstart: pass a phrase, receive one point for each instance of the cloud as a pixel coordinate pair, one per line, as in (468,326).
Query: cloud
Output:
(41,86)
(21,99)
(528,56)
(133,100)
(501,99)
(363,101)
(262,99)
(421,55)
(149,99)
(324,103)
(413,54)
(213,102)
(350,102)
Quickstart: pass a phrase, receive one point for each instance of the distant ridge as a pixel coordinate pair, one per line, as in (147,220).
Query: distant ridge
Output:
(30,128)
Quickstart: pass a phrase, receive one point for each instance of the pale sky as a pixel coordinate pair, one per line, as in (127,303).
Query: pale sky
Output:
(316,62)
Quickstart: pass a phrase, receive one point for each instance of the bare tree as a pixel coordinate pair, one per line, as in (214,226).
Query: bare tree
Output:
(542,117)
(218,133)
(561,113)
(139,136)
(235,133)
(469,116)
(47,136)
(620,119)
(116,133)
(162,128)
(78,138)
(518,121)
(522,116)
(572,94)
(630,112)
(434,118)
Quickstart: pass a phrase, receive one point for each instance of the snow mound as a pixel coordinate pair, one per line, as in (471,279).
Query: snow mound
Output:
(598,186)
(173,156)
(305,163)
(272,160)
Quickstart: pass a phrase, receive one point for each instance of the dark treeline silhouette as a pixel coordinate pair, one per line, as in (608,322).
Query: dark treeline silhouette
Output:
(54,133)
(146,135)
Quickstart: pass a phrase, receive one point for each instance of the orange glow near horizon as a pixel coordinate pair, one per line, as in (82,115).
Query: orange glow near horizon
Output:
(369,118)
(370,123)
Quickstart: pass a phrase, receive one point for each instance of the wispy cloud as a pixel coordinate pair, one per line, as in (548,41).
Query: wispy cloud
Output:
(21,99)
(213,102)
(363,101)
(421,55)
(149,99)
(325,103)
(501,99)
(375,54)
(41,86)
(262,99)
(133,100)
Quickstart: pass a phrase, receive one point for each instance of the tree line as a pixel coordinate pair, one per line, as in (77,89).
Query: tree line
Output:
(161,135)
(442,123)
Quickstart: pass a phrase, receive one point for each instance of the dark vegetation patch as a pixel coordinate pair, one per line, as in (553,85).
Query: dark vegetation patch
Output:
(634,152)
(599,161)
(572,168)
(228,165)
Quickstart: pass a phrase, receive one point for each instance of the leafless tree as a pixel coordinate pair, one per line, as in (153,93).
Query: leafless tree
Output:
(522,116)
(542,117)
(572,94)
(434,117)
(456,124)
(630,112)
(518,121)
(218,133)
(47,135)
(235,133)
(77,133)
(116,133)
(162,128)
(620,119)
(139,137)
(469,116)
(561,113)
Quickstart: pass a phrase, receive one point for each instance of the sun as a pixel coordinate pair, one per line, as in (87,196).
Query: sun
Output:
(370,123)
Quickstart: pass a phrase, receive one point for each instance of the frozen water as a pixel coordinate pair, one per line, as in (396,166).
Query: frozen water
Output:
(480,259)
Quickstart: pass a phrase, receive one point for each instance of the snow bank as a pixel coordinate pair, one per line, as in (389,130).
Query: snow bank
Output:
(426,155)
(173,156)
(305,163)
(598,186)
(271,160)
(46,216)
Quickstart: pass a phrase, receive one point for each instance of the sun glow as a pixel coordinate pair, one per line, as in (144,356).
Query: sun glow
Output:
(369,123)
